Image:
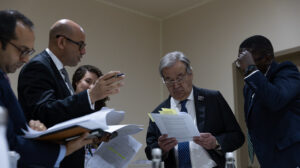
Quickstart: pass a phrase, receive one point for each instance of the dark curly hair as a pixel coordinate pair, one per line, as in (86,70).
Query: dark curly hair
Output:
(259,45)
(79,74)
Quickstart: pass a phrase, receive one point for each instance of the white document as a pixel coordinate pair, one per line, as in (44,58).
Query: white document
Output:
(180,126)
(123,130)
(97,120)
(117,153)
(200,157)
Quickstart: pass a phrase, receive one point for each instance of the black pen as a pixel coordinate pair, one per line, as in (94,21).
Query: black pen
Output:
(118,75)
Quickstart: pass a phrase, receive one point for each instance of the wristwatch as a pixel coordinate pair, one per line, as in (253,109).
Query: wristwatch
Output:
(218,146)
(250,69)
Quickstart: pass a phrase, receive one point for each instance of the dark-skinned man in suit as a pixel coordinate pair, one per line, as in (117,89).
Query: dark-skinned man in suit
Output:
(272,104)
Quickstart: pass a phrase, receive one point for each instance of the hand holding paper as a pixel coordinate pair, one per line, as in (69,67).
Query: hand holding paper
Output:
(166,143)
(206,140)
(180,126)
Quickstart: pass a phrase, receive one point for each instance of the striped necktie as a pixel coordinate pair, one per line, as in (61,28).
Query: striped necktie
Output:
(250,148)
(183,147)
(67,80)
(249,143)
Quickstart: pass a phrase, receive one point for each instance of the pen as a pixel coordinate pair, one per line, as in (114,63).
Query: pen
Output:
(118,75)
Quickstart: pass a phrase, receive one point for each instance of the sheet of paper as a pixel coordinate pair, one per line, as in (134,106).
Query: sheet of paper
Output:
(180,126)
(150,116)
(115,117)
(124,129)
(96,120)
(117,153)
(168,111)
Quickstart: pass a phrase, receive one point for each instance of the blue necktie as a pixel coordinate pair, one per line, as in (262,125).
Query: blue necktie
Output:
(183,147)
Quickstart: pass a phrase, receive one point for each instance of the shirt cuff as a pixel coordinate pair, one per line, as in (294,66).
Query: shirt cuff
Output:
(92,106)
(61,155)
(251,74)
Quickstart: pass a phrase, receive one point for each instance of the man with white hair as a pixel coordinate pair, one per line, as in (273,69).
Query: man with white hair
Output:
(219,130)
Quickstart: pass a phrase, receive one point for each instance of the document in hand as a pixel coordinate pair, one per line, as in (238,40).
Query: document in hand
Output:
(116,153)
(96,123)
(181,126)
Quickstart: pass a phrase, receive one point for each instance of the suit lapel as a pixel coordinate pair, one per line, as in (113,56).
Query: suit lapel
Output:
(252,100)
(57,75)
(200,106)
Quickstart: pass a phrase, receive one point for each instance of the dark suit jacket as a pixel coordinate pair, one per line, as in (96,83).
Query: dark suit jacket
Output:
(44,96)
(33,153)
(273,117)
(214,116)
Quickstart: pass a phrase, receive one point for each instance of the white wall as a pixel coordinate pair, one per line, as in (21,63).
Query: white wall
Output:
(210,35)
(116,40)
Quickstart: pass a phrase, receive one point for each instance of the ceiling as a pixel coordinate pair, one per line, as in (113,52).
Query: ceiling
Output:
(160,9)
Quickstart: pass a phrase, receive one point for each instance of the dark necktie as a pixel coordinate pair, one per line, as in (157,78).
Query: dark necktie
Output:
(67,80)
(249,143)
(250,148)
(184,158)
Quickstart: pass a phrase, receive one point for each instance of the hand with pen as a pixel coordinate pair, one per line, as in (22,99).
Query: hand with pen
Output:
(106,85)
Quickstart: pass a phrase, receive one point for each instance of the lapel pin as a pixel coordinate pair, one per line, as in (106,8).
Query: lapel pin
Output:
(200,98)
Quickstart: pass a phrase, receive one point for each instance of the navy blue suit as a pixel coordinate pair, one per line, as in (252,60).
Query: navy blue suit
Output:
(44,95)
(33,153)
(214,116)
(273,115)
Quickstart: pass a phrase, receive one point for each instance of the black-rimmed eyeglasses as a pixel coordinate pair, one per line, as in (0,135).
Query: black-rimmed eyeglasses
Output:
(81,44)
(23,52)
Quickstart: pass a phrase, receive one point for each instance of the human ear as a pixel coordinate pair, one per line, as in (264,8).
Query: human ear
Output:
(61,43)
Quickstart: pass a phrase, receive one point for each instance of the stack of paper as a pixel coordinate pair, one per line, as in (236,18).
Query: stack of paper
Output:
(117,153)
(176,124)
(96,123)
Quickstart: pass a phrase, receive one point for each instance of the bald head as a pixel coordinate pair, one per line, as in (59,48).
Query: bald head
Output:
(67,41)
(64,27)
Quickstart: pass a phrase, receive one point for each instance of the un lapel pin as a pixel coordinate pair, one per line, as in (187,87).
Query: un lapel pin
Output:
(200,98)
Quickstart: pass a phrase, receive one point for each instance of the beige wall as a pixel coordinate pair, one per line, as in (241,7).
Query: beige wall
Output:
(117,40)
(122,40)
(210,35)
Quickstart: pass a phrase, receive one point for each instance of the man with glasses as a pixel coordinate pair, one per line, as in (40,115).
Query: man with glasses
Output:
(44,88)
(272,104)
(16,45)
(219,130)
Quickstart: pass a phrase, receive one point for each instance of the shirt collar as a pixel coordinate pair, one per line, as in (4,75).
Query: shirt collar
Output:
(268,69)
(190,97)
(56,61)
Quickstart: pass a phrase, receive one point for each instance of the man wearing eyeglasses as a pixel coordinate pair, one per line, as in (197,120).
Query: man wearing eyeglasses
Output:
(219,130)
(272,104)
(16,45)
(44,88)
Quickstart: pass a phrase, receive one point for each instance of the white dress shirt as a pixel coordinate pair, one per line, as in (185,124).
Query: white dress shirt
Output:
(60,66)
(199,156)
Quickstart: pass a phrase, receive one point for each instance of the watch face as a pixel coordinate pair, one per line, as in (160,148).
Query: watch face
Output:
(250,69)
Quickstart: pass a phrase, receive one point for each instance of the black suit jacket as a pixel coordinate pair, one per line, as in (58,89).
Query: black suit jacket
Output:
(44,96)
(33,153)
(273,115)
(214,116)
